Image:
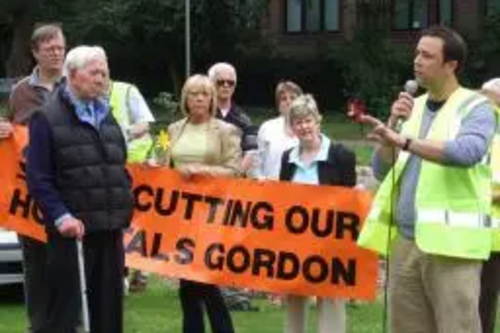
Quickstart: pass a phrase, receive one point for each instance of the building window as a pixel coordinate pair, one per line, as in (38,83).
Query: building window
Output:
(332,15)
(492,7)
(312,15)
(410,14)
(446,12)
(294,15)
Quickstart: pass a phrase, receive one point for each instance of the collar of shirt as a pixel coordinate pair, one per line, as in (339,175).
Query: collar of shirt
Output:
(92,112)
(321,156)
(34,79)
(107,94)
(224,112)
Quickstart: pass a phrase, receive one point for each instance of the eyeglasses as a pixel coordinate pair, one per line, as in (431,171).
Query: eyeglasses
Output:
(53,49)
(229,83)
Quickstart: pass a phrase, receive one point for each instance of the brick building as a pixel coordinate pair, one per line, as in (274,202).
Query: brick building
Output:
(300,27)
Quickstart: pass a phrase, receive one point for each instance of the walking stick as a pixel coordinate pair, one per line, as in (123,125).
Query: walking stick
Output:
(83,287)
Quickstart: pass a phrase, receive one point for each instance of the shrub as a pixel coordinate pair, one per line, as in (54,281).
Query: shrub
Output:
(374,70)
(166,110)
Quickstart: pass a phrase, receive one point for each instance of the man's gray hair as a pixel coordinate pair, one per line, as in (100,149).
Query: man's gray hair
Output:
(219,67)
(80,56)
(492,85)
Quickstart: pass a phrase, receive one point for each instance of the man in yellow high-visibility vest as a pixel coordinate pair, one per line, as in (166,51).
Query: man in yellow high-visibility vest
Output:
(432,210)
(490,275)
(134,117)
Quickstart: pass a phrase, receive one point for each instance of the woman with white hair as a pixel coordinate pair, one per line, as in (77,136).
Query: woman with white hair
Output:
(316,160)
(203,145)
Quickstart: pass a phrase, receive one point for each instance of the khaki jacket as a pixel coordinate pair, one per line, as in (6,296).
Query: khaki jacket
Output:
(225,139)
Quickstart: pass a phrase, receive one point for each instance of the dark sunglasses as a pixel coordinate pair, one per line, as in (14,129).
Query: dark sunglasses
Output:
(229,83)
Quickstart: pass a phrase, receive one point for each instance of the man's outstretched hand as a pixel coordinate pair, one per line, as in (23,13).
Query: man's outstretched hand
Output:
(382,133)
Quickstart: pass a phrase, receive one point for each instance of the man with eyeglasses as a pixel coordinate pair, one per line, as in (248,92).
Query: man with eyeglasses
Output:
(48,49)
(223,75)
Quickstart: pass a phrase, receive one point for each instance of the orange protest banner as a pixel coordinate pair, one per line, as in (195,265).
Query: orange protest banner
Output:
(270,236)
(18,210)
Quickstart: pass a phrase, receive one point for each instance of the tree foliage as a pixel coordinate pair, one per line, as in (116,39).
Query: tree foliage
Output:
(374,68)
(20,15)
(484,48)
(149,33)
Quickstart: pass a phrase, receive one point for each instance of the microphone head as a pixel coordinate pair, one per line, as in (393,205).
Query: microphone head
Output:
(411,87)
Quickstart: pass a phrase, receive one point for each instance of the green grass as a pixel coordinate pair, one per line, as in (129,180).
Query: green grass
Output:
(157,310)
(3,109)
(336,126)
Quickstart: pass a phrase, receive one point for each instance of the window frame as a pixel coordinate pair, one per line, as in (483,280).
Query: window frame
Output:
(303,19)
(410,15)
(486,8)
(452,12)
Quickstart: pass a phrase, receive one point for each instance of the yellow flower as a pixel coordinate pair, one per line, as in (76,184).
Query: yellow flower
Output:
(163,140)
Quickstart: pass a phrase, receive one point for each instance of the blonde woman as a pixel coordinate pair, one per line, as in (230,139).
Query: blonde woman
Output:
(202,144)
(316,160)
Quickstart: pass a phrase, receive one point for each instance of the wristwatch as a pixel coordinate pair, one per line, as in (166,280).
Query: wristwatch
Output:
(406,144)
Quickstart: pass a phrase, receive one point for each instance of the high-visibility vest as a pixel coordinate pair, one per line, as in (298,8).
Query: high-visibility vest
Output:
(452,204)
(495,183)
(137,149)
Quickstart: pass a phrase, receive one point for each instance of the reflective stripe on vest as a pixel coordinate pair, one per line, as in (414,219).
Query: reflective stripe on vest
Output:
(452,204)
(137,149)
(446,217)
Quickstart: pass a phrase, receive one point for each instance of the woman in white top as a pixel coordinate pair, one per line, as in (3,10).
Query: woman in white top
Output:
(275,135)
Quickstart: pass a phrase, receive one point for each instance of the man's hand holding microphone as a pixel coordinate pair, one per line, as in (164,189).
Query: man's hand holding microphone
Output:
(388,133)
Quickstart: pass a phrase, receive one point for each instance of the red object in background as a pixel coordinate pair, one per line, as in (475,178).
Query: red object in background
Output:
(355,109)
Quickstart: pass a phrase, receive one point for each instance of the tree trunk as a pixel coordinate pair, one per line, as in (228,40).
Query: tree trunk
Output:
(19,62)
(177,81)
(349,13)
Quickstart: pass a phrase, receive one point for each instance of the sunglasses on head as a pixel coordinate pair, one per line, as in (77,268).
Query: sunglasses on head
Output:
(229,83)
